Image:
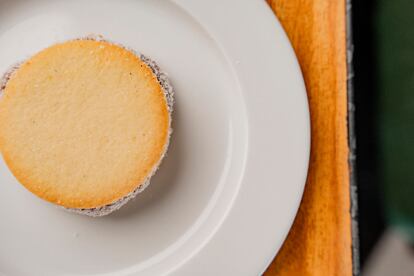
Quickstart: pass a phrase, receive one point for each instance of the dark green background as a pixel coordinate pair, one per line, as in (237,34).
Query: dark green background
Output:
(394,34)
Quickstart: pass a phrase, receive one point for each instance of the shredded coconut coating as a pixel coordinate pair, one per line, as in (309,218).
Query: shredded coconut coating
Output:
(6,77)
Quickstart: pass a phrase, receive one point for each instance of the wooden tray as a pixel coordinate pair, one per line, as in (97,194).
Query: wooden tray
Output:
(320,242)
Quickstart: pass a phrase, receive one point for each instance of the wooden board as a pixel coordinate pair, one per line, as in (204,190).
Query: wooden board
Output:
(320,241)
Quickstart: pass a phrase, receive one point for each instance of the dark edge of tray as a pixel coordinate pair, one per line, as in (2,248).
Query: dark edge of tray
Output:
(352,140)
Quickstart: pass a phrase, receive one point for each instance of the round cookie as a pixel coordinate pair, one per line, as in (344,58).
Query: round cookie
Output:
(85,123)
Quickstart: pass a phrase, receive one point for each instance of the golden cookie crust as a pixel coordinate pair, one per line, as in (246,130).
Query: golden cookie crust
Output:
(83,123)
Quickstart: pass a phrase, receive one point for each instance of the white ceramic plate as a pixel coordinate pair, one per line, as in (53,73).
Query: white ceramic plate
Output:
(227,193)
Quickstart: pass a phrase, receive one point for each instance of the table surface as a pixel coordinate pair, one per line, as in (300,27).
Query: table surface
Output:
(320,241)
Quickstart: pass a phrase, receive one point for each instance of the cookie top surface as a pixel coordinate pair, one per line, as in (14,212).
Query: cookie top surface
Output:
(83,123)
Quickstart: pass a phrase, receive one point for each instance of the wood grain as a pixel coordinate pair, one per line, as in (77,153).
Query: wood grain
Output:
(320,241)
